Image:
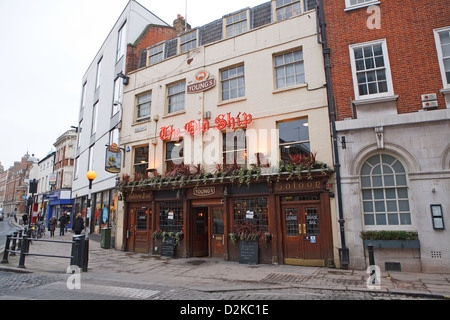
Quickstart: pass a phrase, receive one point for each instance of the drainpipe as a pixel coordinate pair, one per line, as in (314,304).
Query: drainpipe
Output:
(344,258)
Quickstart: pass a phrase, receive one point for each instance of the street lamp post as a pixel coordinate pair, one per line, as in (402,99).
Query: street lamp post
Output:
(91,175)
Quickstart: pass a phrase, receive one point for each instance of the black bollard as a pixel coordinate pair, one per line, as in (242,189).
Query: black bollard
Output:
(13,248)
(5,253)
(23,251)
(19,244)
(371,255)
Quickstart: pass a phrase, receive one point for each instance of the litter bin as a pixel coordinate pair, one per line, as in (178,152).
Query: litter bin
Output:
(105,241)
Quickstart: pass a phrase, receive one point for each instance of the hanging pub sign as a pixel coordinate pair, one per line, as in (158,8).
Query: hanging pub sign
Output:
(203,83)
(113,159)
(223,121)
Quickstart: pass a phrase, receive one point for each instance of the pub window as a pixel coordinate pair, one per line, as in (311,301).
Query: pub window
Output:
(176,96)
(254,210)
(289,69)
(144,107)
(174,154)
(171,216)
(140,160)
(233,83)
(293,139)
(234,148)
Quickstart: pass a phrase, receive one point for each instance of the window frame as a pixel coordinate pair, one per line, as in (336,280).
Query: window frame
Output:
(181,43)
(284,65)
(366,3)
(233,24)
(118,95)
(380,194)
(175,159)
(94,122)
(151,52)
(440,54)
(229,80)
(235,150)
(302,121)
(121,41)
(387,68)
(301,4)
(141,163)
(138,105)
(98,77)
(179,93)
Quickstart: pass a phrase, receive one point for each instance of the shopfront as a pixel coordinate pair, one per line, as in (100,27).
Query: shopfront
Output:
(289,218)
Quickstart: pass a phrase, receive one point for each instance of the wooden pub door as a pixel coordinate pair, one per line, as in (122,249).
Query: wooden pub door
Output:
(302,235)
(139,226)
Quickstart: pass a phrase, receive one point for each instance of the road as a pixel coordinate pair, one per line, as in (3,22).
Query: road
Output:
(6,228)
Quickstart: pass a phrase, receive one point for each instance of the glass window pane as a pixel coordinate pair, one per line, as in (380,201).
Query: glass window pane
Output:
(405,219)
(392,206)
(389,181)
(378,194)
(390,194)
(376,181)
(402,193)
(379,206)
(365,182)
(403,205)
(401,180)
(369,219)
(381,219)
(393,219)
(368,206)
(367,194)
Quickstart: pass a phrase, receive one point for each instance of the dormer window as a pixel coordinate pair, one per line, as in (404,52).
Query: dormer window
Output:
(188,41)
(236,24)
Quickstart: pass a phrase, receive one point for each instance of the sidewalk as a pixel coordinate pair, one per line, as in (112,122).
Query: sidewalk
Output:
(214,275)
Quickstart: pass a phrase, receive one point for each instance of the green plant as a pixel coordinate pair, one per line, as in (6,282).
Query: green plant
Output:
(389,235)
(248,231)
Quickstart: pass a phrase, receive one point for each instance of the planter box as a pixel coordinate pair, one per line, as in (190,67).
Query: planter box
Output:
(389,244)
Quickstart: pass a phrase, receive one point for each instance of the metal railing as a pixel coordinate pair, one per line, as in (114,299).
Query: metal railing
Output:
(21,239)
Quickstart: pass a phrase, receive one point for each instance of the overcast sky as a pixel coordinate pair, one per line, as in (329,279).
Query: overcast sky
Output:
(46,47)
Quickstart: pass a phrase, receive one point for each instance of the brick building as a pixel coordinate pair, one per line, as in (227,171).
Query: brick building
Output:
(390,82)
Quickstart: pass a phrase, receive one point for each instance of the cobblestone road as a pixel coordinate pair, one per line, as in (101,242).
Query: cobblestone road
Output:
(24,286)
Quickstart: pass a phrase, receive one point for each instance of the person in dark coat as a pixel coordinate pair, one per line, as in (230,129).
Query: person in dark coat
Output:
(52,226)
(78,224)
(62,224)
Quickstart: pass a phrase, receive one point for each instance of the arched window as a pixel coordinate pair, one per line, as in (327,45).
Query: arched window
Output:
(385,192)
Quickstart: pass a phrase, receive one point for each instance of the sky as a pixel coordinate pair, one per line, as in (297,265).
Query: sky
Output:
(46,46)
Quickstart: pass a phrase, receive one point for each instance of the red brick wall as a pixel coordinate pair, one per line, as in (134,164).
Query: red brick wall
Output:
(150,36)
(407,26)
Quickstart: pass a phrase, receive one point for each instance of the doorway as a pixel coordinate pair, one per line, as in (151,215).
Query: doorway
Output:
(208,231)
(302,235)
(139,224)
(200,232)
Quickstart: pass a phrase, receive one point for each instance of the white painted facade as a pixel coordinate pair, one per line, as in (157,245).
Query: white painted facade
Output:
(99,89)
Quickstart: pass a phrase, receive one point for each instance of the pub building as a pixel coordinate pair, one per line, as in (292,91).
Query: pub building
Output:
(226,139)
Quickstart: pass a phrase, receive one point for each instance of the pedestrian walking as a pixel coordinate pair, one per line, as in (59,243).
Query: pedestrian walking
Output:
(78,224)
(15,215)
(62,224)
(25,219)
(52,226)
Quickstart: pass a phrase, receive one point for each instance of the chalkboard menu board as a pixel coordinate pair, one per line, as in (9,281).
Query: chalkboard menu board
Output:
(168,247)
(248,252)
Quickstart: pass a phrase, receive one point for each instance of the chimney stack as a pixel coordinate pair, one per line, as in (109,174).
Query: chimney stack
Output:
(180,25)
